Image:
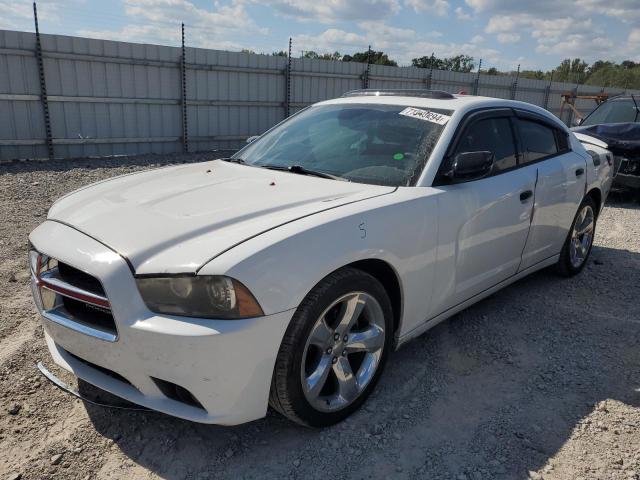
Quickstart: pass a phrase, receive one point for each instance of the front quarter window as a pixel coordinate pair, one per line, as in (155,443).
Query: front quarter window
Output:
(366,143)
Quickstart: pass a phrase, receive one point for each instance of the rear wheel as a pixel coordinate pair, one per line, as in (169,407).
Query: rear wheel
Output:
(334,349)
(578,245)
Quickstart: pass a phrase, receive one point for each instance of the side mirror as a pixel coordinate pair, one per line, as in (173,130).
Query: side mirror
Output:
(471,166)
(253,138)
(578,121)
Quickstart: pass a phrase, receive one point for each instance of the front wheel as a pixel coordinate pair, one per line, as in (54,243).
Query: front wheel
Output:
(334,349)
(578,245)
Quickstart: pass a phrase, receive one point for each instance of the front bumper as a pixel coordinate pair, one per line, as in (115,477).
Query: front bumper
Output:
(226,365)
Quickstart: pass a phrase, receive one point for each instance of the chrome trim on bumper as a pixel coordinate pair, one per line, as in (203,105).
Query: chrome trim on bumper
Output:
(61,318)
(55,284)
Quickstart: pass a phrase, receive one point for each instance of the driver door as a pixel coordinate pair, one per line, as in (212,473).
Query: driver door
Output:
(483,224)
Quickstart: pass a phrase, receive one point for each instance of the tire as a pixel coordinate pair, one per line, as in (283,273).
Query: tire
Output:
(569,265)
(306,385)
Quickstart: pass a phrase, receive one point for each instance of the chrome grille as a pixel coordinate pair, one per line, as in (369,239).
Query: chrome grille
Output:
(72,298)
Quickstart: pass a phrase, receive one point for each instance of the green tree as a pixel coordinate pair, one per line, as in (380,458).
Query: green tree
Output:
(428,62)
(574,71)
(614,75)
(377,58)
(325,56)
(533,74)
(598,65)
(280,53)
(457,63)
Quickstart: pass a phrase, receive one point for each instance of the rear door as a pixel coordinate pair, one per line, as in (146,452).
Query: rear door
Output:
(483,224)
(560,186)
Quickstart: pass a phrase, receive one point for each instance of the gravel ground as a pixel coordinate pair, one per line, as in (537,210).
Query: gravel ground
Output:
(541,380)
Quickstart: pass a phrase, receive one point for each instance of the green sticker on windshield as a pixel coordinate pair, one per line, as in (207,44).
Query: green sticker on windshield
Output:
(398,156)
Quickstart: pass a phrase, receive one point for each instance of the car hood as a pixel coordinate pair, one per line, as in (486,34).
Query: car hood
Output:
(621,138)
(176,219)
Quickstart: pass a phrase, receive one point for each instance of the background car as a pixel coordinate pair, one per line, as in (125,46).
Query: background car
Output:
(616,122)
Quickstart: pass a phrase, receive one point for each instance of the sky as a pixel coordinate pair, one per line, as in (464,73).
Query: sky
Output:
(504,33)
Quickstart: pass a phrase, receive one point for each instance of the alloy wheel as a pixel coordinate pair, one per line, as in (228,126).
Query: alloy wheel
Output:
(343,351)
(582,236)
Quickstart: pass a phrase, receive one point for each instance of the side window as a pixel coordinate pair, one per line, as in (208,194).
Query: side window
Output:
(538,140)
(493,135)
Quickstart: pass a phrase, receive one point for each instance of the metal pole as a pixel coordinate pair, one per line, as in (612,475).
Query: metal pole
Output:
(477,80)
(547,92)
(430,76)
(514,86)
(365,79)
(575,94)
(185,126)
(43,87)
(287,101)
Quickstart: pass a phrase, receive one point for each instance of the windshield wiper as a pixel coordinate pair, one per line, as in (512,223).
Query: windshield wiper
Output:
(233,160)
(299,169)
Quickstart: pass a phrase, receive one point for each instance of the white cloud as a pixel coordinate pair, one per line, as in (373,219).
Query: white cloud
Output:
(158,21)
(625,10)
(329,11)
(561,36)
(400,44)
(508,37)
(578,45)
(331,40)
(545,7)
(19,15)
(461,14)
(633,46)
(230,16)
(387,33)
(437,7)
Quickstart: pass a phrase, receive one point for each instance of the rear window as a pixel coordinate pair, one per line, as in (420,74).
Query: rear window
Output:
(538,140)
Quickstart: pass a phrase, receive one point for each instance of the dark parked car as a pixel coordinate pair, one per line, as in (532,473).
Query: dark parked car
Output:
(617,123)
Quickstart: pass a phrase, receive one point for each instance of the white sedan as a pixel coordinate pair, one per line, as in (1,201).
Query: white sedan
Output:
(286,274)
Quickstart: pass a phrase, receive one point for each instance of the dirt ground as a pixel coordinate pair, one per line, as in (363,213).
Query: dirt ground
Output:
(541,380)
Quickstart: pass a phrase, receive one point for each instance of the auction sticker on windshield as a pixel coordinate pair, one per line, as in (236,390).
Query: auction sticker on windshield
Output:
(426,115)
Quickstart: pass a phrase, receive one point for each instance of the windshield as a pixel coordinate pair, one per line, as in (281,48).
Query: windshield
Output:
(619,110)
(366,143)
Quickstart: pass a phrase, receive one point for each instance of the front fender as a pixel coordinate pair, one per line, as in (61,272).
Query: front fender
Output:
(281,266)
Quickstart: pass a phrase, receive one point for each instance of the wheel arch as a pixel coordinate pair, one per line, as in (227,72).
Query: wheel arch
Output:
(390,280)
(596,195)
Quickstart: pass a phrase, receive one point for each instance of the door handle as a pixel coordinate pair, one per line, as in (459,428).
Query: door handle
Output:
(526,195)
(579,172)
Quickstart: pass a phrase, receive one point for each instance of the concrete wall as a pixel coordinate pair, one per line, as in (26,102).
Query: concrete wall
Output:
(117,98)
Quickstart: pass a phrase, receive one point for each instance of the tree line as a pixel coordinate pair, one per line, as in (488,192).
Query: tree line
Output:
(603,73)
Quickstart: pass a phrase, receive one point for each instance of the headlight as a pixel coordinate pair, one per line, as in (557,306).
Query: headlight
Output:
(199,296)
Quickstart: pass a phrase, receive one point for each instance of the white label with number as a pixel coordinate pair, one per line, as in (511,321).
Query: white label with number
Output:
(426,115)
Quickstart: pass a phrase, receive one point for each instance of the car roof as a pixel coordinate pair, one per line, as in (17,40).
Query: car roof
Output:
(456,103)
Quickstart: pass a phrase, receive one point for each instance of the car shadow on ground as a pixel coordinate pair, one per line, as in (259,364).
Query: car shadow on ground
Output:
(493,392)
